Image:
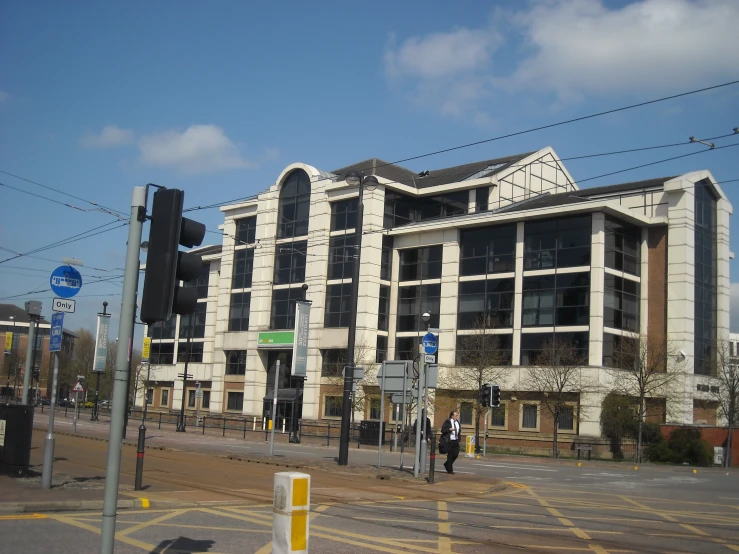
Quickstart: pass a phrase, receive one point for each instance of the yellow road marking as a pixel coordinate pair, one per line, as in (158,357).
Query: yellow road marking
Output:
(562,519)
(266,549)
(322,508)
(445,528)
(23,516)
(694,530)
(145,524)
(647,508)
(124,539)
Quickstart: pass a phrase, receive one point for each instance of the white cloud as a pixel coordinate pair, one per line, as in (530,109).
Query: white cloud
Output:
(110,137)
(571,48)
(198,149)
(581,47)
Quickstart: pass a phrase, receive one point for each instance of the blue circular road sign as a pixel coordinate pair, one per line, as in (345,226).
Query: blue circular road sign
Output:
(65,281)
(430,343)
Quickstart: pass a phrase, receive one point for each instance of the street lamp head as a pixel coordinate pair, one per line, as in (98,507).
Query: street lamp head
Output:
(145,246)
(304,287)
(371,182)
(105,304)
(426,317)
(353,179)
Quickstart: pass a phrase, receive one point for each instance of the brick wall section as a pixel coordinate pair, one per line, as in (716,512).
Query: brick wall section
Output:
(715,436)
(657,284)
(704,412)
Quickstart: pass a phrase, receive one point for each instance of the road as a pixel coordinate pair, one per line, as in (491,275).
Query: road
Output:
(548,507)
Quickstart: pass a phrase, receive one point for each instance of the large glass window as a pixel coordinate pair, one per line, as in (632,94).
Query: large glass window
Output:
(283,308)
(338,305)
(332,406)
(401,209)
(529,416)
(341,254)
(420,263)
(290,262)
(163,329)
(485,304)
(620,352)
(483,351)
(482,196)
(623,246)
(413,302)
(386,259)
(162,353)
(383,311)
(497,417)
(381,351)
(621,304)
(235,401)
(566,418)
(246,230)
(201,282)
(562,299)
(243,269)
(294,211)
(238,315)
(557,242)
(705,303)
(406,348)
(344,214)
(198,322)
(333,362)
(192,353)
(532,344)
(465,413)
(488,250)
(235,362)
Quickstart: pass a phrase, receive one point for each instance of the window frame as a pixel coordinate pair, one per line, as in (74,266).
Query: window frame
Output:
(236,395)
(243,269)
(237,301)
(333,402)
(521,412)
(344,214)
(421,264)
(235,365)
(246,230)
(344,299)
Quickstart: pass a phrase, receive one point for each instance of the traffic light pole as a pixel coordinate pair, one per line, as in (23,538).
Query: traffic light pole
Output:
(120,376)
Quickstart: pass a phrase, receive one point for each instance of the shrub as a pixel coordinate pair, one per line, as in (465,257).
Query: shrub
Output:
(88,404)
(684,445)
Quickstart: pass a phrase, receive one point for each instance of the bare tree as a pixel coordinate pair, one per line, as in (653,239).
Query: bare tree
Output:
(364,356)
(558,375)
(481,359)
(645,368)
(727,392)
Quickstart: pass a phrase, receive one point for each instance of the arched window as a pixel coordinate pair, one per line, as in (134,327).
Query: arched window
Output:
(294,210)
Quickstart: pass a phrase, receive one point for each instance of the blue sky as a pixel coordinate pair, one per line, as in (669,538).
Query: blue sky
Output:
(216,98)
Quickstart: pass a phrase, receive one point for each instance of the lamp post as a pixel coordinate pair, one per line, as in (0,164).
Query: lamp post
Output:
(11,360)
(359,180)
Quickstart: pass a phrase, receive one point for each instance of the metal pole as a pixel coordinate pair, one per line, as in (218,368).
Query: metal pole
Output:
(130,356)
(141,446)
(197,405)
(182,424)
(419,414)
(274,409)
(382,420)
(29,358)
(76,411)
(485,437)
(395,435)
(47,471)
(402,424)
(120,376)
(346,407)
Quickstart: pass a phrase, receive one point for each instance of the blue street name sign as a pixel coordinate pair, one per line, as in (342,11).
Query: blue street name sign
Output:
(57,325)
(65,281)
(430,343)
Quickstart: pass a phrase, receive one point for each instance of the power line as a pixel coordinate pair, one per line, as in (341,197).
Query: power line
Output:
(35,291)
(44,198)
(105,209)
(56,261)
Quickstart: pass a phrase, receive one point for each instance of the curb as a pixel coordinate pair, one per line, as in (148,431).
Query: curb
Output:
(100,439)
(69,506)
(264,462)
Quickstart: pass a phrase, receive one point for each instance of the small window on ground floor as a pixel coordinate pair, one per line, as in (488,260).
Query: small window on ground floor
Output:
(165,397)
(235,401)
(191,399)
(149,396)
(332,406)
(497,417)
(465,413)
(530,416)
(567,418)
(205,401)
(374,408)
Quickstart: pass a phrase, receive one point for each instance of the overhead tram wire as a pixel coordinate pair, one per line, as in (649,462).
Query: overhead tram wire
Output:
(56,261)
(564,159)
(102,208)
(44,198)
(35,291)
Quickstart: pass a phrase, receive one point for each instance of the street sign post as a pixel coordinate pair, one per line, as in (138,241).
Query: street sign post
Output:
(63,305)
(55,339)
(65,281)
(77,389)
(430,343)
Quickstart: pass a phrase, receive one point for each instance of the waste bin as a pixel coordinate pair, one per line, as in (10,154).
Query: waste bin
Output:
(16,428)
(369,432)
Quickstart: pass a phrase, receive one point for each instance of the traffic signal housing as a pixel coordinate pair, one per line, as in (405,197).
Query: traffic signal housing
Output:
(495,396)
(485,395)
(165,264)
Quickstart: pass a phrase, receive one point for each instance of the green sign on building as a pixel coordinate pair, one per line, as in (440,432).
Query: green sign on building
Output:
(276,339)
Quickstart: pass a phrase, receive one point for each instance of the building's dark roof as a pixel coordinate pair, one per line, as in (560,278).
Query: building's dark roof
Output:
(208,250)
(435,177)
(19,314)
(583,195)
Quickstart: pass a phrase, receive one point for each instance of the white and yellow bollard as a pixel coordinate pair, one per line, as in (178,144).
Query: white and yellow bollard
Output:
(469,451)
(290,513)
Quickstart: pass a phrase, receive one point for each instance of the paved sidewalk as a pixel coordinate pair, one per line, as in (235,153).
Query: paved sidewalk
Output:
(176,477)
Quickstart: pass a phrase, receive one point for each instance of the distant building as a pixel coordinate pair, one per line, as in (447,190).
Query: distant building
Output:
(512,238)
(14,320)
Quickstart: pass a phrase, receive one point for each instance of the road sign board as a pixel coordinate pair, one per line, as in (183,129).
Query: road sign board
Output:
(78,387)
(65,281)
(430,343)
(357,374)
(399,398)
(57,327)
(63,305)
(198,392)
(429,358)
(392,371)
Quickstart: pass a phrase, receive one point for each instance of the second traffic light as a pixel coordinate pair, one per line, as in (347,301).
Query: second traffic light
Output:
(165,264)
(495,396)
(485,395)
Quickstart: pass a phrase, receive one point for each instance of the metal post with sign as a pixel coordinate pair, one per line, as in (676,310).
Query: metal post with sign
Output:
(77,389)
(55,345)
(101,356)
(198,396)
(429,346)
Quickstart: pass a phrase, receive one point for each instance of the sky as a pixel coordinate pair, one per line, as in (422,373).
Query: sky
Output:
(216,98)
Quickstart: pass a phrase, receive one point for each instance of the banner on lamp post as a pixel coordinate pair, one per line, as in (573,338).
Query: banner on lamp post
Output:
(101,344)
(300,344)
(8,342)
(146,350)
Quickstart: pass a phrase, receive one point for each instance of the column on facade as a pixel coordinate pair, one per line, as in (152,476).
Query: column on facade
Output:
(518,298)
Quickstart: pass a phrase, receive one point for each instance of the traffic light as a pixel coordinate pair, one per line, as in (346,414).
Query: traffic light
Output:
(165,264)
(485,395)
(495,396)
